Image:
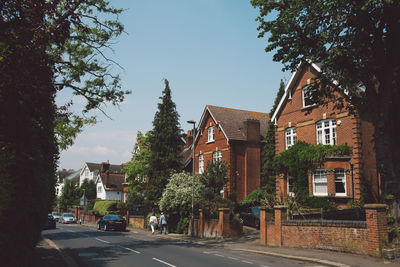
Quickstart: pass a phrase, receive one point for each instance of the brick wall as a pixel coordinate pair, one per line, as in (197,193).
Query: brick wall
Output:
(215,228)
(363,237)
(137,221)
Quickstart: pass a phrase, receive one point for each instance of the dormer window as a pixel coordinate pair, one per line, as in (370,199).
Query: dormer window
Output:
(211,134)
(308,96)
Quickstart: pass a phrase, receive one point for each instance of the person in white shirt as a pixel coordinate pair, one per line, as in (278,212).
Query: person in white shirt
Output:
(153,222)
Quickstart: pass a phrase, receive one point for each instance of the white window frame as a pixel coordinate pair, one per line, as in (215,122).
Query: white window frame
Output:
(87,173)
(326,132)
(288,179)
(340,174)
(211,134)
(99,189)
(217,156)
(201,163)
(320,178)
(304,91)
(290,137)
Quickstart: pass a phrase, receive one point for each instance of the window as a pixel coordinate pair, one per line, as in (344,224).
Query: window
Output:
(211,135)
(201,163)
(99,189)
(290,137)
(308,96)
(320,183)
(290,191)
(340,182)
(87,173)
(217,156)
(326,132)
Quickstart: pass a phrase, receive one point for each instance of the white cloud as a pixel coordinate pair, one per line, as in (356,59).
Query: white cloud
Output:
(104,151)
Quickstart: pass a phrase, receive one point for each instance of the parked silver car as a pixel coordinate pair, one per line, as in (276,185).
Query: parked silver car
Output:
(67,218)
(56,215)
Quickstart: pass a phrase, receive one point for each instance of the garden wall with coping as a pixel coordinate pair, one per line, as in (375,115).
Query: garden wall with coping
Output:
(362,237)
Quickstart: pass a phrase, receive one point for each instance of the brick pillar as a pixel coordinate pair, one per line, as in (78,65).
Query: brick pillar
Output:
(201,223)
(376,226)
(76,213)
(280,214)
(263,225)
(223,223)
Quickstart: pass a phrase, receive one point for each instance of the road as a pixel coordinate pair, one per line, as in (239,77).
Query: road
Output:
(89,247)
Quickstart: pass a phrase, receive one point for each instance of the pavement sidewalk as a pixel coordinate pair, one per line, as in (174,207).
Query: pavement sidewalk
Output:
(47,255)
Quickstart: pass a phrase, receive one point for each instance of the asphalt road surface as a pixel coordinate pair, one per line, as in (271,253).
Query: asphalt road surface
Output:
(86,246)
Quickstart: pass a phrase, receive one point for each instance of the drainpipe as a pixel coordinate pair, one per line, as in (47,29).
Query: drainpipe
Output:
(352,179)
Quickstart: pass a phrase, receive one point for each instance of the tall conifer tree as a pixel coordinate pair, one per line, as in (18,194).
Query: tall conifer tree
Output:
(268,152)
(165,146)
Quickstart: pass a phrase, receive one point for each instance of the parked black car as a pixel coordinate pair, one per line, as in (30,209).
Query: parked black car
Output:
(112,221)
(50,222)
(251,217)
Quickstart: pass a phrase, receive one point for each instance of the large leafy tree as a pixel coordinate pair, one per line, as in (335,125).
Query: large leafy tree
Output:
(356,43)
(70,195)
(165,146)
(214,179)
(268,181)
(46,47)
(137,170)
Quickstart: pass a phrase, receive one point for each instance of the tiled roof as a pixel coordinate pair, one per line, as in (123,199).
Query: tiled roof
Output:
(231,120)
(114,168)
(115,181)
(186,155)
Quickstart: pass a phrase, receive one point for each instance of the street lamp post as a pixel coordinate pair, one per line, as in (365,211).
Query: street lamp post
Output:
(193,148)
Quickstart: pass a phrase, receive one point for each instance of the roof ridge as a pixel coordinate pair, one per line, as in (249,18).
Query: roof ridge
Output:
(236,109)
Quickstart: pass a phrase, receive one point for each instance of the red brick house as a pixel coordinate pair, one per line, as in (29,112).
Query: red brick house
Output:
(234,136)
(297,118)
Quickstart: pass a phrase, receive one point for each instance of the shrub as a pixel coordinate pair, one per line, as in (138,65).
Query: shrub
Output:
(103,207)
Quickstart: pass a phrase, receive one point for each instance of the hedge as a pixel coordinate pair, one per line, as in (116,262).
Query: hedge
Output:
(103,207)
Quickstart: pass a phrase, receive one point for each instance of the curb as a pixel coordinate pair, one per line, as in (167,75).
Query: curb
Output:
(300,258)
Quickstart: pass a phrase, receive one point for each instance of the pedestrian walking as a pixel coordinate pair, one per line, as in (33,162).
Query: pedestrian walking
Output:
(163,223)
(153,222)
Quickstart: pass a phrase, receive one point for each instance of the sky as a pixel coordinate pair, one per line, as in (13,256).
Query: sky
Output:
(210,54)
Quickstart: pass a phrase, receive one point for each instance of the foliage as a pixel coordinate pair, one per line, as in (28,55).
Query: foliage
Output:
(45,46)
(213,180)
(70,195)
(103,207)
(254,198)
(89,187)
(301,158)
(211,208)
(137,170)
(268,152)
(165,146)
(177,196)
(356,43)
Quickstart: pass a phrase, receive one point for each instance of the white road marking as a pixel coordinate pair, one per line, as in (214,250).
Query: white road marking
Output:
(248,262)
(137,252)
(264,265)
(219,255)
(235,259)
(101,240)
(135,232)
(163,262)
(71,231)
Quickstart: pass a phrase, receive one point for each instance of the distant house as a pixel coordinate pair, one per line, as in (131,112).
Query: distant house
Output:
(109,183)
(60,183)
(297,117)
(234,136)
(91,170)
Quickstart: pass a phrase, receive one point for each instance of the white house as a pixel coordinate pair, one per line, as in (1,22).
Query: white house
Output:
(60,184)
(109,185)
(91,170)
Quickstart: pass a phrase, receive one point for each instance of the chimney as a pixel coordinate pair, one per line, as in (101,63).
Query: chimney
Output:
(107,178)
(105,166)
(251,130)
(189,138)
